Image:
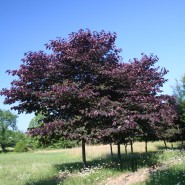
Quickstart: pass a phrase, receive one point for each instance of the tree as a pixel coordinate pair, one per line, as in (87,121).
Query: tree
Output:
(36,121)
(7,123)
(86,92)
(141,110)
(129,106)
(67,84)
(179,93)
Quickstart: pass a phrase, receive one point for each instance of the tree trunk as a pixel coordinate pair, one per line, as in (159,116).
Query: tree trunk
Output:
(165,144)
(146,146)
(182,143)
(83,153)
(3,147)
(119,153)
(111,152)
(125,148)
(131,147)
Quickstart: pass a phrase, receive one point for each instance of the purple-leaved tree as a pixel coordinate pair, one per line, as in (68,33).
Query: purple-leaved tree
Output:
(66,85)
(86,92)
(135,106)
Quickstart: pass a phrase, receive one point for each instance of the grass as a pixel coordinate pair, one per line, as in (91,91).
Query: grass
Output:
(173,175)
(52,167)
(28,168)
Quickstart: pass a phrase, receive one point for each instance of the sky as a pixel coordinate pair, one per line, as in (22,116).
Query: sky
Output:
(142,26)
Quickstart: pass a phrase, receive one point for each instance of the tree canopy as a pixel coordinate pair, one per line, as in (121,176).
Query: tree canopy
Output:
(36,121)
(87,92)
(7,123)
(179,93)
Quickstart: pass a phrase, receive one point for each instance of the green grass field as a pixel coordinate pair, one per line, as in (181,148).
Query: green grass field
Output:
(52,167)
(173,175)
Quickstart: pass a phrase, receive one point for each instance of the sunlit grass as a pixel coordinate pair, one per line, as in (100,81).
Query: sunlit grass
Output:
(51,167)
(173,175)
(18,169)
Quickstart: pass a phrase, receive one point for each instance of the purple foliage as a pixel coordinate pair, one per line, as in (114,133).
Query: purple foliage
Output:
(87,92)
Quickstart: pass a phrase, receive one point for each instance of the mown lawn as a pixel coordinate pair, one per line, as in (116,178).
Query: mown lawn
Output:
(52,167)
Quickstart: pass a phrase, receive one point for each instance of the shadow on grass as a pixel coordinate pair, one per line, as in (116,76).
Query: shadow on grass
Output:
(51,181)
(129,162)
(177,147)
(169,176)
(6,151)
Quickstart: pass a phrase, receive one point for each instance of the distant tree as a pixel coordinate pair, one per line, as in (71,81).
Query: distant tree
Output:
(19,136)
(37,121)
(179,93)
(15,136)
(7,124)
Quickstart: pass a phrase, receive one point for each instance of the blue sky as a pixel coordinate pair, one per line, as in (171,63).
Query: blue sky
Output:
(149,26)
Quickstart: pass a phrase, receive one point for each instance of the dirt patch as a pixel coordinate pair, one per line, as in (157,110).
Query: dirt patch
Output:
(129,178)
(139,176)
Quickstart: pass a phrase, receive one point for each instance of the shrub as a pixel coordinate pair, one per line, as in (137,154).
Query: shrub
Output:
(20,147)
(62,143)
(34,143)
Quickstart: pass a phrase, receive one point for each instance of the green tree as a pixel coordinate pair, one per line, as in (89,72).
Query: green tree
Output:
(36,121)
(7,123)
(179,93)
(19,136)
